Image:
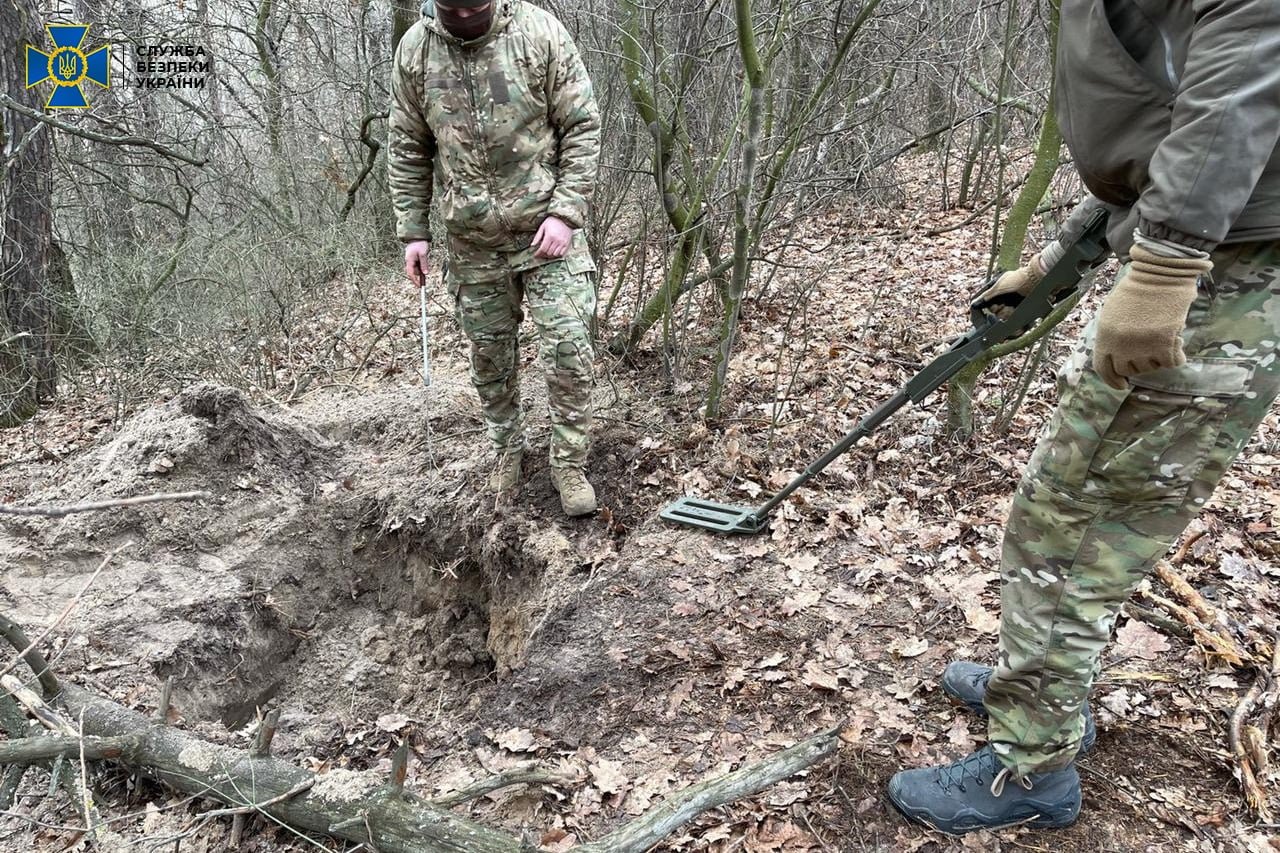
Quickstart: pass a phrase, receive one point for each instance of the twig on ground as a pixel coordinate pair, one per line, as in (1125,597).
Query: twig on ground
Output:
(1177,584)
(64,511)
(1250,779)
(1211,643)
(1155,620)
(301,787)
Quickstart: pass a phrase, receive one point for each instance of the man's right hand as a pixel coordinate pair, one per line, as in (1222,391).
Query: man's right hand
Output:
(417,261)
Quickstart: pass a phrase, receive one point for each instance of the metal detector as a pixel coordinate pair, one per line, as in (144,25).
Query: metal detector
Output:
(1071,275)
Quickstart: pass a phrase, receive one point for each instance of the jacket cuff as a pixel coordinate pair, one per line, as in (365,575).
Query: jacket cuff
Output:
(1160,231)
(567,212)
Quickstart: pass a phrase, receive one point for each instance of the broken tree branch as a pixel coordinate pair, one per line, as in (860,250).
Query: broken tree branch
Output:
(646,831)
(337,803)
(27,651)
(63,511)
(38,748)
(1251,766)
(517,776)
(1211,643)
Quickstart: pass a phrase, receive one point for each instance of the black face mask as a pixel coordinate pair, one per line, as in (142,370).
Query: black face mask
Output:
(468,28)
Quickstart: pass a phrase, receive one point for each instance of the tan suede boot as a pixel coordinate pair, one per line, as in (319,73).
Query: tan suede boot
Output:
(576,494)
(505,479)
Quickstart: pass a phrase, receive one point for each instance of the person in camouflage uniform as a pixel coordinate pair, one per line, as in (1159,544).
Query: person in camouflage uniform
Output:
(1172,112)
(493,99)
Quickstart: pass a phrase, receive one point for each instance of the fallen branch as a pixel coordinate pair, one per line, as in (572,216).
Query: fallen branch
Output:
(644,832)
(63,511)
(39,748)
(1155,620)
(1206,612)
(1248,755)
(1211,643)
(10,631)
(52,720)
(518,776)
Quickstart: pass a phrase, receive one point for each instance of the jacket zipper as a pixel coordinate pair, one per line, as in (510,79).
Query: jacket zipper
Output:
(482,140)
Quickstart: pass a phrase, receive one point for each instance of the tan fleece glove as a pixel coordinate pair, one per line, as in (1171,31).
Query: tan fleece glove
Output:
(1140,324)
(1020,282)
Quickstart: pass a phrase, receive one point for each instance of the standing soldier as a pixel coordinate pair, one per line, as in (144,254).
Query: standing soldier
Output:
(1172,113)
(494,100)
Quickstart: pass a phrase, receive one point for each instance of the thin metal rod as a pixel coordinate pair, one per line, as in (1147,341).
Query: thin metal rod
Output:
(426,336)
(865,427)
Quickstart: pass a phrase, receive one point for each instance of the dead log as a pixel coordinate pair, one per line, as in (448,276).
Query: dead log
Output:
(364,808)
(342,803)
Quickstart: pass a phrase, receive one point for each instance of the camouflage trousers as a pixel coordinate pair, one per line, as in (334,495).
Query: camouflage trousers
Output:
(489,290)
(1114,480)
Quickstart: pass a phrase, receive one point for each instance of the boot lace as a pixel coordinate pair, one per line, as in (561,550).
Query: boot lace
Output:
(977,768)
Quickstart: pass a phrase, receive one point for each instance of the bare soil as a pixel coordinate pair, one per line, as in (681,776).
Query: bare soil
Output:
(350,570)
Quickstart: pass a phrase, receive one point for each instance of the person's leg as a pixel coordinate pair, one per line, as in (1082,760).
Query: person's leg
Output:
(561,305)
(1114,480)
(489,313)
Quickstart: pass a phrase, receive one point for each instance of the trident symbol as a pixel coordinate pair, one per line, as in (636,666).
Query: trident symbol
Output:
(67,66)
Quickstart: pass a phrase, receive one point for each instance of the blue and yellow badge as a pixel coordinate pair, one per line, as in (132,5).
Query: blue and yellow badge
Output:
(68,66)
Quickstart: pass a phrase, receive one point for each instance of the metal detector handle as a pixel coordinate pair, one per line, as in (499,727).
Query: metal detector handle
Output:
(1060,282)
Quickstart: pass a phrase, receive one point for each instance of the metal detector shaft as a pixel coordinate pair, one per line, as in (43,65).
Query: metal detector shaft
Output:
(1059,284)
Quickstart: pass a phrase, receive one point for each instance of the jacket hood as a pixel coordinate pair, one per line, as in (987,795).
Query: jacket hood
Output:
(503,12)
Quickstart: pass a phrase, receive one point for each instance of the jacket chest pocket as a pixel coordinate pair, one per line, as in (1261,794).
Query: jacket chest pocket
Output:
(448,108)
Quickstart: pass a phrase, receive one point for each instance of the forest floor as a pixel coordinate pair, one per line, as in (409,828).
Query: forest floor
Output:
(350,570)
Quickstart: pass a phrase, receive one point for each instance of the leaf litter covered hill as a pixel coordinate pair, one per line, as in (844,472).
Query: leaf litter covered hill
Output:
(350,571)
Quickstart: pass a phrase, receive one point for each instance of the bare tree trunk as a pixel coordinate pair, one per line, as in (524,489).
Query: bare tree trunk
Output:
(28,371)
(756,74)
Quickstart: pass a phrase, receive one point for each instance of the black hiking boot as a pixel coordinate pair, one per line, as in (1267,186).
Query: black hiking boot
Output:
(966,683)
(977,792)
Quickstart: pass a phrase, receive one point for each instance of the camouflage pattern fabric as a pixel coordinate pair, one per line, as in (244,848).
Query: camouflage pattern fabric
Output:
(489,288)
(1114,480)
(507,122)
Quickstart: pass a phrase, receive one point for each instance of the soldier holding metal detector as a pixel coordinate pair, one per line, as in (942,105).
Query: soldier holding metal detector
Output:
(1172,113)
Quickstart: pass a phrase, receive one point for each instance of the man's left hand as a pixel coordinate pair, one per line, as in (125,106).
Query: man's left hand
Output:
(552,240)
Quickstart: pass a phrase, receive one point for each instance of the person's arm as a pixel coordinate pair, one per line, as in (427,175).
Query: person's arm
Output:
(1226,124)
(576,118)
(411,146)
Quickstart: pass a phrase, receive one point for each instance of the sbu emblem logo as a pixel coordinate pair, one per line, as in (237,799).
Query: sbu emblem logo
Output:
(68,66)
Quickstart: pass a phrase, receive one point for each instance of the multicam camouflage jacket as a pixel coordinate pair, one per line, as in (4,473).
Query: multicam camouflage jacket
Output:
(508,121)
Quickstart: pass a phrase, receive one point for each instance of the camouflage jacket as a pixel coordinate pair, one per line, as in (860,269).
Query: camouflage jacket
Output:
(508,122)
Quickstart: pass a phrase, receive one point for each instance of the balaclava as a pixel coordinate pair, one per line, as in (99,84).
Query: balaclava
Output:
(470,26)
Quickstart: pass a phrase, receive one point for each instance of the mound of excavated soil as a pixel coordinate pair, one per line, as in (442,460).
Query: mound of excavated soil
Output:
(330,561)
